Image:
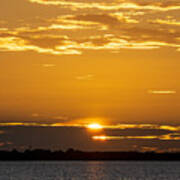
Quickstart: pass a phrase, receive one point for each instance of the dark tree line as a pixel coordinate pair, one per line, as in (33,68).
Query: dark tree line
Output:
(71,154)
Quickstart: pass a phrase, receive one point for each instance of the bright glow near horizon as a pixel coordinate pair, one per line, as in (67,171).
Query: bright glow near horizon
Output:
(95,126)
(101,138)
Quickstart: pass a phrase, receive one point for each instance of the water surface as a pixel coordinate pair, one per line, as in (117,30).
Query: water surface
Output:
(89,170)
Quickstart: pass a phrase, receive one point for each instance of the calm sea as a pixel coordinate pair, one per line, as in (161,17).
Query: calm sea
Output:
(92,170)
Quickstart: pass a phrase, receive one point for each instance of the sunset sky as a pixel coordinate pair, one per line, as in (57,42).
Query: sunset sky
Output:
(67,64)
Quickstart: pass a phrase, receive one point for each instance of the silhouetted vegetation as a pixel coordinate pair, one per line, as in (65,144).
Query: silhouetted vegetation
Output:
(71,154)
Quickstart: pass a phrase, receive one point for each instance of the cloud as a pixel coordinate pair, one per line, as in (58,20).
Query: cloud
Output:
(118,132)
(168,132)
(22,44)
(162,92)
(114,5)
(144,126)
(84,122)
(18,44)
(9,124)
(100,32)
(166,22)
(75,46)
(110,42)
(80,138)
(167,137)
(85,77)
(110,19)
(148,149)
(79,22)
(3,29)
(48,65)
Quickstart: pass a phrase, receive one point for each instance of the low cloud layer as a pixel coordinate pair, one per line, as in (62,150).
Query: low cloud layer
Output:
(20,136)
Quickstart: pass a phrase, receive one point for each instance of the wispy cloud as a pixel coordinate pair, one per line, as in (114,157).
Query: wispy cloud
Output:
(48,65)
(162,92)
(167,21)
(114,5)
(167,137)
(87,77)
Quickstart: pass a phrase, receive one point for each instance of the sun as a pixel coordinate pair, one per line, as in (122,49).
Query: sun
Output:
(95,126)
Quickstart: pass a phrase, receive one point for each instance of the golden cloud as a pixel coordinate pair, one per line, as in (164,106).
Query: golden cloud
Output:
(87,77)
(115,31)
(70,46)
(78,123)
(167,22)
(167,137)
(19,44)
(162,92)
(111,6)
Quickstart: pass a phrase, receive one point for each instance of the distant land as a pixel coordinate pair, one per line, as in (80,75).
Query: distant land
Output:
(71,154)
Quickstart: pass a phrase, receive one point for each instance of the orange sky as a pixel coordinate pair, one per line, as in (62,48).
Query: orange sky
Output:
(79,62)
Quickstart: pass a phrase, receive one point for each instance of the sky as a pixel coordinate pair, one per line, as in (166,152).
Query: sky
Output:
(66,64)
